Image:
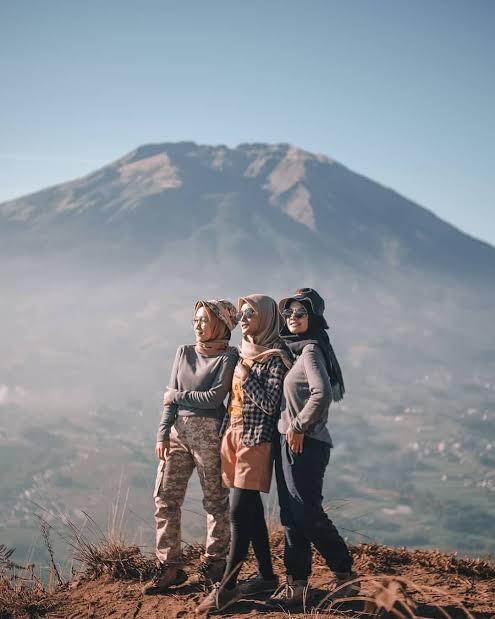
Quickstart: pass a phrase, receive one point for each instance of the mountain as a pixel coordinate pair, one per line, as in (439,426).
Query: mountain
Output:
(99,276)
(290,201)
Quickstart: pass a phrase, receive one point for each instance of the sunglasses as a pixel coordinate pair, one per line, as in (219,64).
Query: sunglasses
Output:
(296,313)
(248,313)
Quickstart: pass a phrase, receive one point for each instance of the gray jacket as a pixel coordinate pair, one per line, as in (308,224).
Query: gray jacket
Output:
(200,386)
(307,396)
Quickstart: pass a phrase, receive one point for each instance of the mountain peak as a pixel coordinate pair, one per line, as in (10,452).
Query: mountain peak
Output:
(179,186)
(247,149)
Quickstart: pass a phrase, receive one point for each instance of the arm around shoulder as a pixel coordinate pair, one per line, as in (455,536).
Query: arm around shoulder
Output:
(216,394)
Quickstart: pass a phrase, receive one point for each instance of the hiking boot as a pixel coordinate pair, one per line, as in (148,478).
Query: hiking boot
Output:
(210,571)
(218,599)
(165,576)
(346,586)
(290,595)
(258,584)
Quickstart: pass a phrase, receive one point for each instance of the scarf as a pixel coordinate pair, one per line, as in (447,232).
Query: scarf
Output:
(218,341)
(267,342)
(316,334)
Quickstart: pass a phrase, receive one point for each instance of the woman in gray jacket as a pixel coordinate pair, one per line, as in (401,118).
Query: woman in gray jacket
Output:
(303,452)
(188,439)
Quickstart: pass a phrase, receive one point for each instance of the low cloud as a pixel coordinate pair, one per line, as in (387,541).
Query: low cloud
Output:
(12,395)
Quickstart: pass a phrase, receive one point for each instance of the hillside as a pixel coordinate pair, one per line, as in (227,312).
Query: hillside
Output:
(99,276)
(414,583)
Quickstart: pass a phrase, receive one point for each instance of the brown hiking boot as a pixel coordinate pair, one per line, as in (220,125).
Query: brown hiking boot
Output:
(211,571)
(165,576)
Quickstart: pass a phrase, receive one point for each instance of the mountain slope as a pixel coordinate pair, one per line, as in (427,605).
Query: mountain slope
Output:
(99,277)
(224,198)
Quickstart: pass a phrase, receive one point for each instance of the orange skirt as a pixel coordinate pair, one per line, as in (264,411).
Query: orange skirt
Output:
(243,466)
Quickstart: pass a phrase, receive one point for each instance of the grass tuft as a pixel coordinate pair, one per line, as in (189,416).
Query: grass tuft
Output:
(106,554)
(376,557)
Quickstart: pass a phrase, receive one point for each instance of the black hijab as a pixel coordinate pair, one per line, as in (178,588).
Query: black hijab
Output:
(316,334)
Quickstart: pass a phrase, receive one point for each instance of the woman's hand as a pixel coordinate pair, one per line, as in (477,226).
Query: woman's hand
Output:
(242,369)
(161,449)
(168,396)
(295,441)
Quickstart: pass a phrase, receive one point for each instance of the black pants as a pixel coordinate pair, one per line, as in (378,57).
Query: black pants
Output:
(300,486)
(247,523)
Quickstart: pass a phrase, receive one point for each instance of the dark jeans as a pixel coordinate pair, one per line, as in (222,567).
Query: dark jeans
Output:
(300,485)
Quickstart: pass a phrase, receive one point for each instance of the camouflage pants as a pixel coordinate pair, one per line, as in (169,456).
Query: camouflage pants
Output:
(194,442)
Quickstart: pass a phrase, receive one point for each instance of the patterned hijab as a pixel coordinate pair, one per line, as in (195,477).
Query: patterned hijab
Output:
(222,316)
(266,343)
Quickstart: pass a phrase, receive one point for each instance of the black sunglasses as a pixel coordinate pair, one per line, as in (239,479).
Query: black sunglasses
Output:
(300,312)
(248,313)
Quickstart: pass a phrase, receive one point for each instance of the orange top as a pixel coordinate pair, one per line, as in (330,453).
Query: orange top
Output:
(236,398)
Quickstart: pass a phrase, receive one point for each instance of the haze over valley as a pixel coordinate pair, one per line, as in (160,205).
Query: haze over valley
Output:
(99,277)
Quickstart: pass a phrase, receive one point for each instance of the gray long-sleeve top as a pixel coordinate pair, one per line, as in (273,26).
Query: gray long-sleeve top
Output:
(200,385)
(307,396)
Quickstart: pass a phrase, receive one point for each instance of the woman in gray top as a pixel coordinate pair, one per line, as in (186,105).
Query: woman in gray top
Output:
(188,438)
(302,454)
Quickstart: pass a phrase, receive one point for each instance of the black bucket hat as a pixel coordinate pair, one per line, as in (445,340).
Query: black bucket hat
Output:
(312,297)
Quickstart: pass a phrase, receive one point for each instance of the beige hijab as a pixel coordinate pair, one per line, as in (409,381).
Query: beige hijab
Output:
(218,341)
(267,342)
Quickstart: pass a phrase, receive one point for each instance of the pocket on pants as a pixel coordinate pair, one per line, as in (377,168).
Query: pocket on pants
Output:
(159,478)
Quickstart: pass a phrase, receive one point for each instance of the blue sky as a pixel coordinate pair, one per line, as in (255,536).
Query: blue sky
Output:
(401,91)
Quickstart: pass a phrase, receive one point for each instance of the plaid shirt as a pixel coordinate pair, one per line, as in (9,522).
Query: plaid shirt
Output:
(261,408)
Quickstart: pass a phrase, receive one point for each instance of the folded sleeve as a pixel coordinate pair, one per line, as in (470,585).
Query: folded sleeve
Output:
(216,394)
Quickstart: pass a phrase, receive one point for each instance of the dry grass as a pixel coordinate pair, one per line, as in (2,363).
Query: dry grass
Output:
(395,595)
(22,594)
(105,554)
(376,558)
(20,598)
(385,591)
(385,596)
(98,552)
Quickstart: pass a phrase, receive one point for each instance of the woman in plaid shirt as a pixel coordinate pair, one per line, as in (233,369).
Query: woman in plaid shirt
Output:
(248,429)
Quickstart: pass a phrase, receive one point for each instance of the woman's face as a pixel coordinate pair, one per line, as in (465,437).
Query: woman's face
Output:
(249,321)
(298,321)
(202,325)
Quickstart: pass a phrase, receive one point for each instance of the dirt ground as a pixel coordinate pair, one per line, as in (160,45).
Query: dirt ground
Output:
(395,582)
